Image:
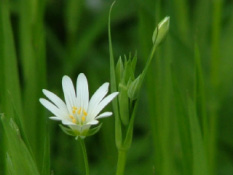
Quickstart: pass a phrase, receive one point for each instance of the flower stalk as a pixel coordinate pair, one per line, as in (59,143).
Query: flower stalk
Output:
(121,162)
(85,158)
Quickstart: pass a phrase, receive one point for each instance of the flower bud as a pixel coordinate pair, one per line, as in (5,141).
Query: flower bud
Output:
(134,88)
(161,31)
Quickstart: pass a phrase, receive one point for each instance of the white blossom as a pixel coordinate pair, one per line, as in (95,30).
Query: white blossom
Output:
(78,112)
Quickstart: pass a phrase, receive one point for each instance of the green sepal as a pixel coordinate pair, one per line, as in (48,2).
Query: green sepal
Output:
(123,104)
(119,70)
(134,88)
(68,131)
(155,35)
(94,130)
(128,72)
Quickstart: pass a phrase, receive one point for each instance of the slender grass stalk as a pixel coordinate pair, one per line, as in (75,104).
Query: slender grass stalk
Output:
(146,24)
(118,132)
(9,79)
(215,60)
(200,166)
(182,14)
(216,28)
(82,143)
(183,127)
(73,12)
(19,159)
(32,52)
(202,19)
(199,94)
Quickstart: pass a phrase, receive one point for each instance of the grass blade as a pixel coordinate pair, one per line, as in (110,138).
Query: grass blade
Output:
(19,159)
(113,85)
(200,166)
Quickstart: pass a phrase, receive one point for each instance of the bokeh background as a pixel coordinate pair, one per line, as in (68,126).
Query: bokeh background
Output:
(185,115)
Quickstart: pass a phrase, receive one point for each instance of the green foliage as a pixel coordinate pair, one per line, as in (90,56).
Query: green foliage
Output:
(199,156)
(18,157)
(168,134)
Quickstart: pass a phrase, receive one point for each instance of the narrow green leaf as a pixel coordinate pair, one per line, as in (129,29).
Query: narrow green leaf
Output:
(18,156)
(10,169)
(73,11)
(129,133)
(46,155)
(9,70)
(112,64)
(118,131)
(200,166)
(200,92)
(181,11)
(32,56)
(9,80)
(183,127)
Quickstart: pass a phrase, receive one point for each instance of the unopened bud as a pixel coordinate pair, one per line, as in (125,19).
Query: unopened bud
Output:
(161,31)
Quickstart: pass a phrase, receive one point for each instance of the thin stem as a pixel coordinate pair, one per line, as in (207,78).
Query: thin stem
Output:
(82,143)
(149,61)
(121,162)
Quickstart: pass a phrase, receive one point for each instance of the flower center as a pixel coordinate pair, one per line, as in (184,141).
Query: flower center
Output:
(78,113)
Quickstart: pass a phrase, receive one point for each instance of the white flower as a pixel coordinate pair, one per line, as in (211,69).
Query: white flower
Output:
(78,113)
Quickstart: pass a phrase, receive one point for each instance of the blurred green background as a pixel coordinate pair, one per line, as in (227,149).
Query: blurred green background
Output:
(185,115)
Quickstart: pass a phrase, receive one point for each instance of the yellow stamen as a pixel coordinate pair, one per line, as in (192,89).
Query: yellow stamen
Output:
(83,118)
(71,116)
(84,112)
(74,120)
(74,109)
(79,111)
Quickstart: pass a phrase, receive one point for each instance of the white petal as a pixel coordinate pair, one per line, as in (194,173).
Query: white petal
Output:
(82,91)
(69,93)
(51,107)
(56,118)
(97,97)
(56,100)
(93,122)
(67,122)
(104,102)
(105,114)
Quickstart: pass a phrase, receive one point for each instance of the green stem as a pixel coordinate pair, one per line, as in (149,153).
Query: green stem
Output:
(82,143)
(121,162)
(149,60)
